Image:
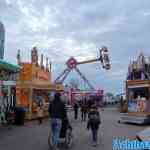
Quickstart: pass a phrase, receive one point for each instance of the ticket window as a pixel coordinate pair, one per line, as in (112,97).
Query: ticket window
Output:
(135,93)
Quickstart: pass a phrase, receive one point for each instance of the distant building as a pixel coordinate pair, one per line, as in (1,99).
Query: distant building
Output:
(112,99)
(109,98)
(2,40)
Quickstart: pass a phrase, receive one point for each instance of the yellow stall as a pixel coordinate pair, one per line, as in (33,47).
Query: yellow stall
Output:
(33,86)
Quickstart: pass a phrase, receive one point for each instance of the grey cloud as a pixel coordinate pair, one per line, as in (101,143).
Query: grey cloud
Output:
(123,26)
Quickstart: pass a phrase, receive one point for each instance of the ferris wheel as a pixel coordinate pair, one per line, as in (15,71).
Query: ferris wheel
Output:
(72,64)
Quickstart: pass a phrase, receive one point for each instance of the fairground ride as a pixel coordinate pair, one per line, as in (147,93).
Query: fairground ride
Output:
(72,64)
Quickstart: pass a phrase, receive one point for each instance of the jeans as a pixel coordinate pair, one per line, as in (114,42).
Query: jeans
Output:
(95,135)
(55,128)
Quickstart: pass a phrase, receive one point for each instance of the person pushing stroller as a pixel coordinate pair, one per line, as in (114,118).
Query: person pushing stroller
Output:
(60,124)
(94,122)
(57,113)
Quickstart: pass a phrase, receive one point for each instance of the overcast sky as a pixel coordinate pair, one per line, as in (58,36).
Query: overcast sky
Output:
(64,28)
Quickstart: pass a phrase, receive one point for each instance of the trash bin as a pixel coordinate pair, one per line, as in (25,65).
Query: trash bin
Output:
(19,116)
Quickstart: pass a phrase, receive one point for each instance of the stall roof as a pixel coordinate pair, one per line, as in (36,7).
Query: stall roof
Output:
(8,66)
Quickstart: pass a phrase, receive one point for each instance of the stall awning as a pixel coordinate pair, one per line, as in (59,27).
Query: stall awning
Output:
(41,85)
(8,66)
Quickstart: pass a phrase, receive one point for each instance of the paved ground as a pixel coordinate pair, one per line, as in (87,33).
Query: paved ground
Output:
(32,136)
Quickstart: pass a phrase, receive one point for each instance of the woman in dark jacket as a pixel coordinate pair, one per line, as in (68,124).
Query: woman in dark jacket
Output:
(93,123)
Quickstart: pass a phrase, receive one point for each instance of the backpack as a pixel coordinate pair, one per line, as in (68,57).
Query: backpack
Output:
(95,118)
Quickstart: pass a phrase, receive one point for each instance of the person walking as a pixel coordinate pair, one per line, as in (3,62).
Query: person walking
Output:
(94,121)
(84,110)
(40,114)
(2,117)
(57,113)
(76,108)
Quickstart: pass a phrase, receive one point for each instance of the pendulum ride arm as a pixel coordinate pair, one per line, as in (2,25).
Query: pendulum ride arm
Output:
(103,58)
(88,61)
(62,76)
(72,64)
(65,76)
(84,78)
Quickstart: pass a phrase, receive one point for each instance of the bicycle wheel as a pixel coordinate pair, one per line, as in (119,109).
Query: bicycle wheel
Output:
(69,139)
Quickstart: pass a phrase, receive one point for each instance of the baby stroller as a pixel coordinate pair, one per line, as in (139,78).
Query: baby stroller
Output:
(66,137)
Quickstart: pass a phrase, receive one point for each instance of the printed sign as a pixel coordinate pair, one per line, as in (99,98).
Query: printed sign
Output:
(137,106)
(132,106)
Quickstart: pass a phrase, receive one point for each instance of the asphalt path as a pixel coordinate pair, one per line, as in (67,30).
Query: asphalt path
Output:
(33,136)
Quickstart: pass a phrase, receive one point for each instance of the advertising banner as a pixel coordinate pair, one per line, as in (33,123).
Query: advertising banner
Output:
(141,106)
(137,106)
(132,105)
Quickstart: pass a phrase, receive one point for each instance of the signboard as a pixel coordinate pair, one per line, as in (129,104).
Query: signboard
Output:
(28,72)
(132,105)
(141,106)
(25,73)
(22,97)
(42,75)
(9,83)
(137,106)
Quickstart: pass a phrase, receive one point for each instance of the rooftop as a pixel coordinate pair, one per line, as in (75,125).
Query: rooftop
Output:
(8,66)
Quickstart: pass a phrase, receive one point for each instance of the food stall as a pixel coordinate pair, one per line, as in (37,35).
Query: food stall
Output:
(33,86)
(138,92)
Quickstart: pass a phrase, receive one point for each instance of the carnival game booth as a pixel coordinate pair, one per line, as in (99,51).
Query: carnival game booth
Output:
(34,87)
(8,73)
(138,92)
